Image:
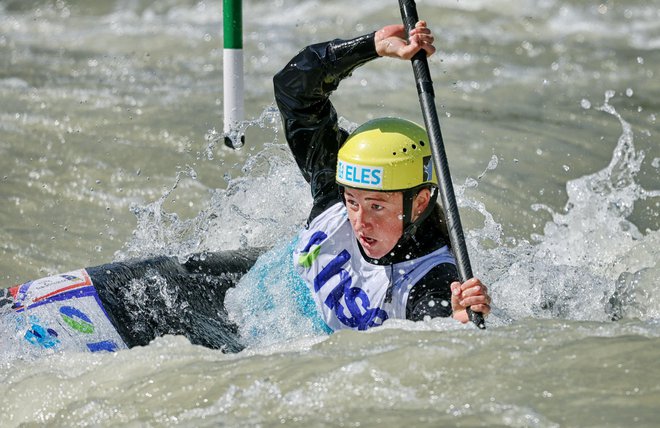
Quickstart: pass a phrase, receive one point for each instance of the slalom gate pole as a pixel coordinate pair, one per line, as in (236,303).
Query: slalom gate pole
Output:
(232,59)
(427,101)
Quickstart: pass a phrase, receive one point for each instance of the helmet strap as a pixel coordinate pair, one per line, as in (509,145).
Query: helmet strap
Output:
(409,226)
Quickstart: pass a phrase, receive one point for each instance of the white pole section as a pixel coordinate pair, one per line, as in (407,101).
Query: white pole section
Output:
(232,59)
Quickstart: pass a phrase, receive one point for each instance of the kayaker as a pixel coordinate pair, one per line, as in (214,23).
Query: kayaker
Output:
(376,245)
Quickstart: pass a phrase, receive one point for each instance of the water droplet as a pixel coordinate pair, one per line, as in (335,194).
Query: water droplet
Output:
(655,163)
(492,164)
(629,92)
(471,183)
(566,167)
(585,104)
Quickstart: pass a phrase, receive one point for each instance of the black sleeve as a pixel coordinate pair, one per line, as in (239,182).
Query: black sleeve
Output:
(431,296)
(302,91)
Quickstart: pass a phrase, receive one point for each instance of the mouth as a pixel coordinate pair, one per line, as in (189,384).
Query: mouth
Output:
(367,242)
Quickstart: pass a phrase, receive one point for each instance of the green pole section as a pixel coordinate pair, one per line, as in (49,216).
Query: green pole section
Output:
(232,12)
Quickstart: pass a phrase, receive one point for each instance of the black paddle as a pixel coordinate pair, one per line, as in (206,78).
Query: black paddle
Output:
(427,100)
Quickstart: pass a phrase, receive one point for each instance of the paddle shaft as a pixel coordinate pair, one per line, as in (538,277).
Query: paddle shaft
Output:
(427,100)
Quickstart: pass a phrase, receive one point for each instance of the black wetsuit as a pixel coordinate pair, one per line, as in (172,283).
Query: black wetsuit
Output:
(302,91)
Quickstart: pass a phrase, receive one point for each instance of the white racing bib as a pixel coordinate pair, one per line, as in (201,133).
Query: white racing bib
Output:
(349,291)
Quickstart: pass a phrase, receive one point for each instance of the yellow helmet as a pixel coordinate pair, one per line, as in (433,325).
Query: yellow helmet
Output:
(386,154)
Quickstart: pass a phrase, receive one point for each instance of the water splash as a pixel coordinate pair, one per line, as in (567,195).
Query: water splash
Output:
(271,303)
(270,200)
(492,231)
(268,119)
(591,262)
(597,210)
(161,232)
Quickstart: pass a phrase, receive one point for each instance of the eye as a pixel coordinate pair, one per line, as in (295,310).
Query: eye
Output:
(377,207)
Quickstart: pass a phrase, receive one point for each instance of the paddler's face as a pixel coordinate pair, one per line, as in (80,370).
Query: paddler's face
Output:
(376,218)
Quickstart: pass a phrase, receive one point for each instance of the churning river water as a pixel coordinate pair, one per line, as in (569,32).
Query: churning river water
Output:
(108,151)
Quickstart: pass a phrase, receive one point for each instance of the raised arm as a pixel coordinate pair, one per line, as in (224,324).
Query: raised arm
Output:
(303,88)
(302,91)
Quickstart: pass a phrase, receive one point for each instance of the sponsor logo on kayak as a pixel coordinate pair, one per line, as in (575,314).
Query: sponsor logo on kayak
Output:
(104,345)
(77,319)
(39,335)
(53,288)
